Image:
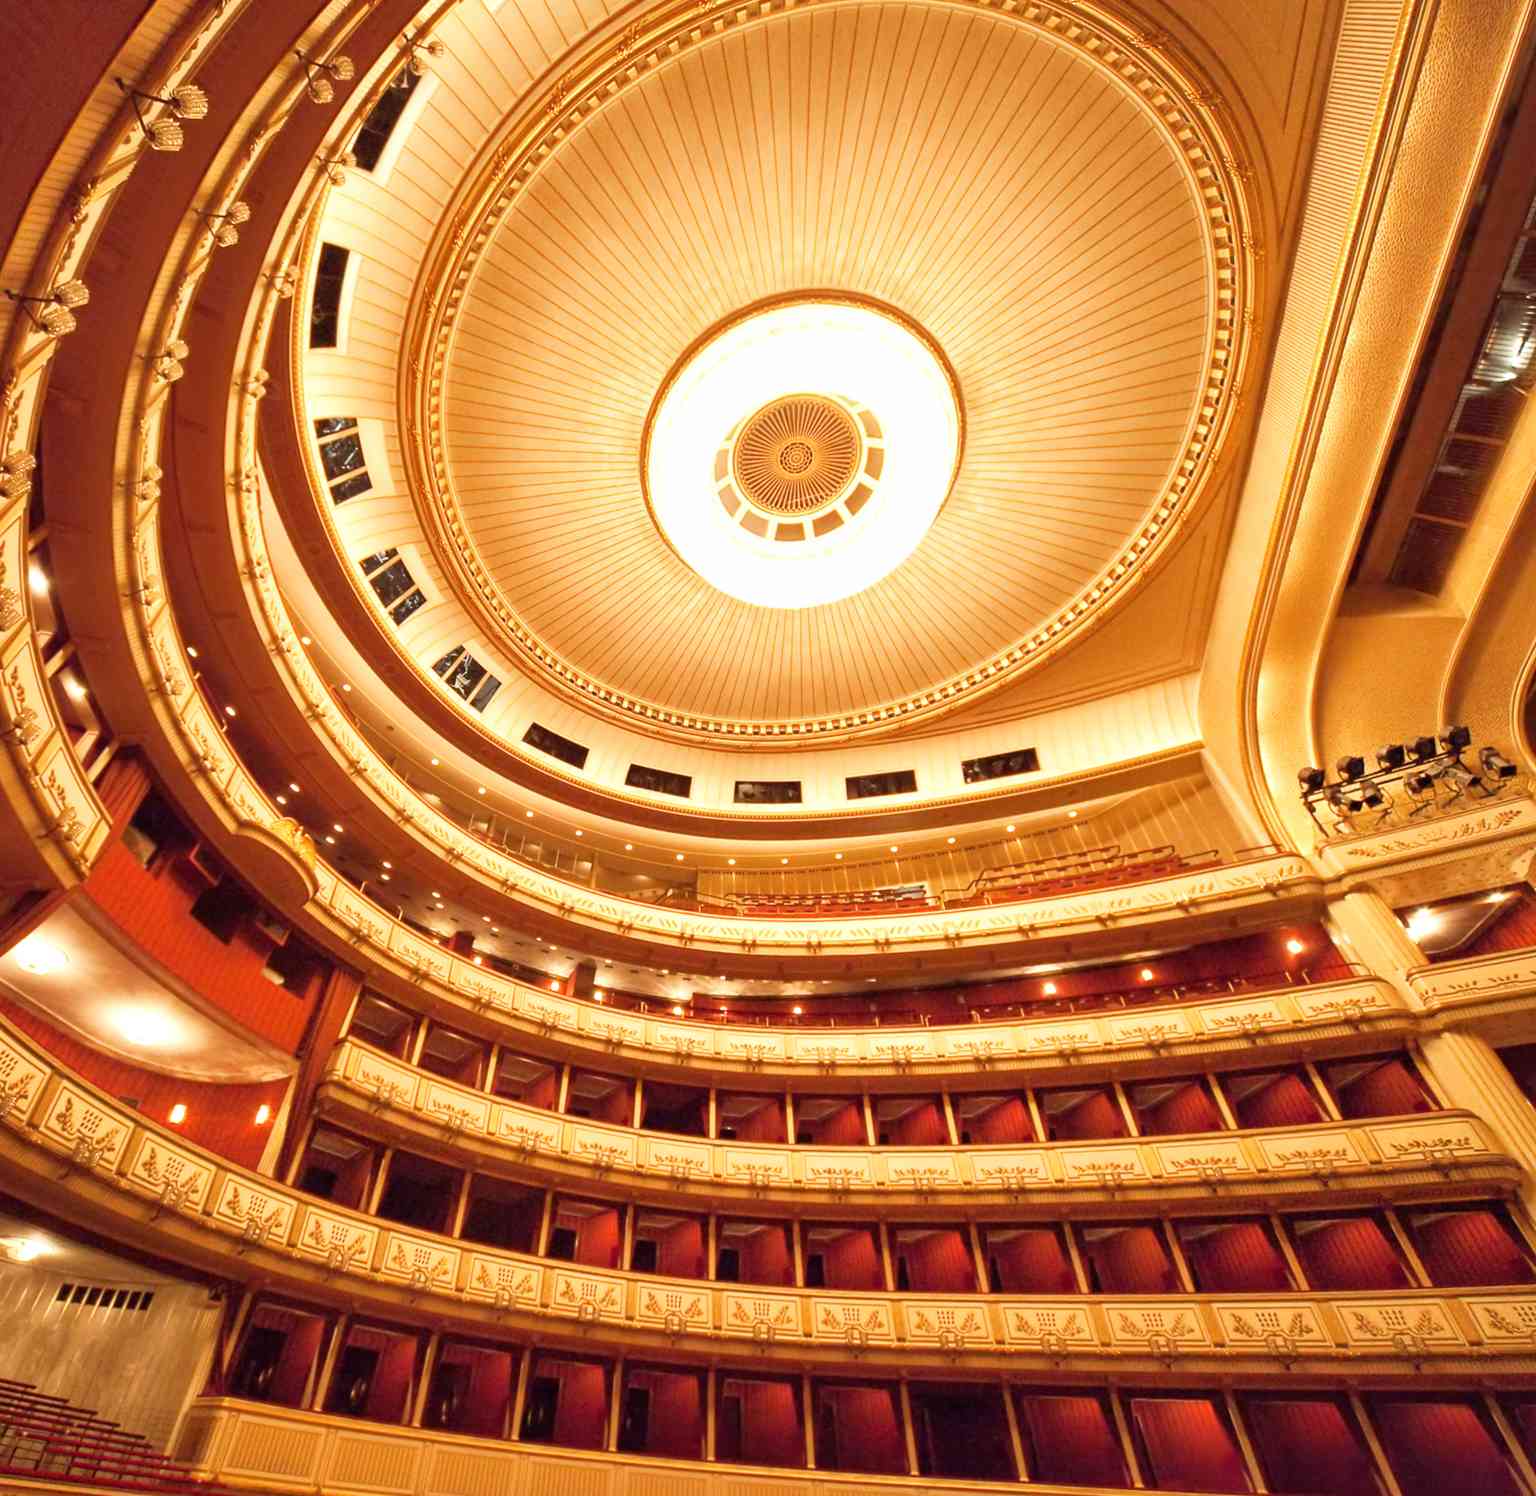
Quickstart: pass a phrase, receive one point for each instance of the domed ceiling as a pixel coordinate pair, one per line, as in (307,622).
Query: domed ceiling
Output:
(1040,207)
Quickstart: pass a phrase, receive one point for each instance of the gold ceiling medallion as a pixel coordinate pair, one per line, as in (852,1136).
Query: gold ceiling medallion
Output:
(796,455)
(1194,125)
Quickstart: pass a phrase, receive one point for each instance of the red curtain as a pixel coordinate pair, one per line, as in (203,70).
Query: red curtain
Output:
(1349,1254)
(865,1431)
(1132,1260)
(1388,1090)
(617,1107)
(922,1127)
(1007,1122)
(939,1262)
(598,1238)
(1469,1249)
(680,1251)
(770,1424)
(1513,929)
(842,1127)
(852,1260)
(765,1125)
(390,1389)
(1441,1449)
(765,1257)
(1189,1446)
(675,1429)
(1309,1447)
(1097,1115)
(1286,1101)
(581,1413)
(1237,1259)
(1187,1109)
(545,1091)
(1033,1261)
(1073,1441)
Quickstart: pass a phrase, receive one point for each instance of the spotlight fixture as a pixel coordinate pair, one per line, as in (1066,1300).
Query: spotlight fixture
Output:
(1495,765)
(1423,748)
(321,78)
(1351,766)
(178,1114)
(164,133)
(1391,756)
(1311,779)
(223,226)
(1461,780)
(1456,739)
(54,312)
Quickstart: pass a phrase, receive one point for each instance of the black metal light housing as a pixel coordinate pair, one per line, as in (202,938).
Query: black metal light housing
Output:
(1351,766)
(1311,779)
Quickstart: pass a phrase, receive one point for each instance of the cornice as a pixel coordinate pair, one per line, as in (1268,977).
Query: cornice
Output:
(1362,1161)
(154,1190)
(1185,106)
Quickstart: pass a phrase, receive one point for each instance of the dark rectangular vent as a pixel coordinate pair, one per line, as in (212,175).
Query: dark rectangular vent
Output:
(659,781)
(325,311)
(341,457)
(555,746)
(767,791)
(897,782)
(1000,765)
(103,1296)
(373,134)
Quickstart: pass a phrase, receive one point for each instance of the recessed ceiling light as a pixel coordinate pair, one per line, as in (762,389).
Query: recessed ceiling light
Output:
(282,799)
(529,814)
(383,877)
(388,864)
(480,790)
(679,856)
(730,862)
(346,686)
(1146,973)
(784,860)
(837,856)
(330,841)
(294,788)
(37,580)
(229,711)
(1010,827)
(797,1010)
(951,841)
(437,906)
(40,957)
(178,1114)
(1049,989)
(436,894)
(495,929)
(479,960)
(677,1012)
(263,1114)
(304,639)
(336,826)
(486,918)
(436,762)
(1071,815)
(629,846)
(191,651)
(580,832)
(1294,946)
(895,849)
(76,692)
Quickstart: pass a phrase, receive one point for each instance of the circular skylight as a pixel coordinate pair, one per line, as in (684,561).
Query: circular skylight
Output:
(801,453)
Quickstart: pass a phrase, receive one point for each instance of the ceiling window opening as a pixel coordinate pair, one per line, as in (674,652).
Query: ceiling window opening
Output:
(393,584)
(467,678)
(341,457)
(374,132)
(325,309)
(767,791)
(1000,765)
(556,746)
(659,781)
(894,782)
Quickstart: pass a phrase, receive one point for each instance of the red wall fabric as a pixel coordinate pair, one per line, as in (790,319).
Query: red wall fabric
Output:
(771,1433)
(1237,1259)
(938,1262)
(842,1127)
(1007,1122)
(1073,1441)
(1388,1090)
(581,1414)
(852,1260)
(1132,1260)
(1097,1115)
(1187,1109)
(858,1428)
(1513,930)
(680,1251)
(389,1392)
(675,1429)
(1189,1446)
(219,1118)
(617,1107)
(922,1127)
(1286,1101)
(1349,1254)
(1308,1446)
(1441,1449)
(766,1257)
(154,909)
(545,1091)
(484,1412)
(1034,1261)
(1469,1249)
(598,1238)
(765,1125)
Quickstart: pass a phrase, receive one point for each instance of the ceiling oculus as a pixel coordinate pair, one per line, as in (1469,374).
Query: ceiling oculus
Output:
(799,453)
